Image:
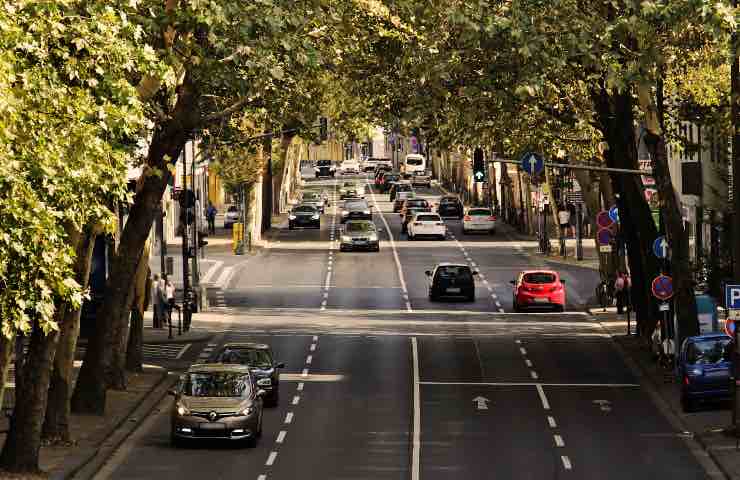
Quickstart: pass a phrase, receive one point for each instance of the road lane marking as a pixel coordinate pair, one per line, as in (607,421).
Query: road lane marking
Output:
(312,347)
(224,278)
(534,384)
(551,421)
(523,350)
(528,362)
(212,271)
(309,359)
(300,386)
(315,338)
(534,375)
(304,373)
(518,342)
(559,441)
(182,351)
(271,458)
(566,462)
(288,418)
(498,304)
(262,477)
(281,436)
(543,397)
(416,443)
(296,400)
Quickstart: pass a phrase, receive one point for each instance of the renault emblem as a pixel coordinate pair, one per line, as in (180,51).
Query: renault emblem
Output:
(212,416)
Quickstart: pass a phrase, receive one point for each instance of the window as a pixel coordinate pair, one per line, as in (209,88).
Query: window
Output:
(360,227)
(428,218)
(480,212)
(216,384)
(539,278)
(457,272)
(709,352)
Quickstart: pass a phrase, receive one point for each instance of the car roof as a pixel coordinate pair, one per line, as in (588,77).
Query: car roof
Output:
(218,367)
(452,264)
(244,345)
(540,270)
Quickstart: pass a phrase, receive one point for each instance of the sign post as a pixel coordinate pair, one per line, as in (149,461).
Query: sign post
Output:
(662,288)
(732,304)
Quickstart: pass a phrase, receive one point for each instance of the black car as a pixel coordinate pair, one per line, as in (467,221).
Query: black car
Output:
(356,209)
(324,168)
(451,280)
(304,216)
(359,235)
(450,207)
(388,180)
(401,186)
(262,366)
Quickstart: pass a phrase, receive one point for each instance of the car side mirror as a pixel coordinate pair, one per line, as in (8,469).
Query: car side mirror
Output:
(428,273)
(172,392)
(512,282)
(280,365)
(261,393)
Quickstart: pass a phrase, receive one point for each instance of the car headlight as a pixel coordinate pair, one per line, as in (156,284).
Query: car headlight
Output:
(316,168)
(346,238)
(315,216)
(182,410)
(264,382)
(366,212)
(291,217)
(345,213)
(696,372)
(248,411)
(373,237)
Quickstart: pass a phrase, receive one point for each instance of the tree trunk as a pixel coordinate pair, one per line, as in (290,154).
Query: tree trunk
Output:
(98,371)
(20,452)
(6,358)
(56,422)
(683,284)
(267,182)
(616,119)
(140,287)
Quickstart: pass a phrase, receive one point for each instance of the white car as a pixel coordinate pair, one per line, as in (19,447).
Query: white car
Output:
(479,220)
(426,224)
(348,167)
(231,216)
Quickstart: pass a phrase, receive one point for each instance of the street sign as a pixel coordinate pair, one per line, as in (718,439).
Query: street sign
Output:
(661,248)
(664,307)
(605,248)
(605,236)
(532,163)
(614,214)
(730,327)
(662,287)
(603,220)
(732,297)
(481,403)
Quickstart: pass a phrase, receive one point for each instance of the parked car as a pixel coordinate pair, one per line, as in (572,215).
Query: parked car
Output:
(304,216)
(539,288)
(216,401)
(231,216)
(349,167)
(324,168)
(479,220)
(450,206)
(426,225)
(399,186)
(356,209)
(400,198)
(451,280)
(264,369)
(704,366)
(359,235)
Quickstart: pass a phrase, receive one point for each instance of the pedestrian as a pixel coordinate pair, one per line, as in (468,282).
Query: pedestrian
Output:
(211,217)
(619,291)
(170,294)
(157,313)
(563,220)
(572,211)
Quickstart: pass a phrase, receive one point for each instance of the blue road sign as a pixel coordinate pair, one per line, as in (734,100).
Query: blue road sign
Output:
(605,236)
(532,163)
(662,287)
(732,297)
(661,247)
(614,214)
(730,327)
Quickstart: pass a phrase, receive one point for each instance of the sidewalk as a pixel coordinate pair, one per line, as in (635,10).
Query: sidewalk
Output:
(706,426)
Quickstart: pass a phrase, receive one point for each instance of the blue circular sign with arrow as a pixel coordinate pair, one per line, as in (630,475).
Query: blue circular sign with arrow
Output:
(532,163)
(661,247)
(614,214)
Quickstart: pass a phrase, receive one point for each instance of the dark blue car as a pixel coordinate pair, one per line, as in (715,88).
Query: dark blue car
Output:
(704,368)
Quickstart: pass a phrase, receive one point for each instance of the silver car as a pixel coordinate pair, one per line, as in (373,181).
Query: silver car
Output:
(359,235)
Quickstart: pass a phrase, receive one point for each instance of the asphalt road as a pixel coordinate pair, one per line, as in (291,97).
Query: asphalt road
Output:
(382,384)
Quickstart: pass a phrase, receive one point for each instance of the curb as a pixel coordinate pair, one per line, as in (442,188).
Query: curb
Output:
(697,447)
(176,341)
(85,464)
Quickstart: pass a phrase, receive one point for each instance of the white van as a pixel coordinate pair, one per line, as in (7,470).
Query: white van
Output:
(414,163)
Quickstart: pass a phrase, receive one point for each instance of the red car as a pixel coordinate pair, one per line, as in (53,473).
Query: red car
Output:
(539,288)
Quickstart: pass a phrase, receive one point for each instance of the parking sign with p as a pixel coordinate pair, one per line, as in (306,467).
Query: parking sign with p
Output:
(732,297)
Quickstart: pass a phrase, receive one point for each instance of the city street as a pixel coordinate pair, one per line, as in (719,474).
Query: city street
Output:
(382,383)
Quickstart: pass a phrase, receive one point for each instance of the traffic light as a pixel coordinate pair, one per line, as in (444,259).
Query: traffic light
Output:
(323,129)
(479,166)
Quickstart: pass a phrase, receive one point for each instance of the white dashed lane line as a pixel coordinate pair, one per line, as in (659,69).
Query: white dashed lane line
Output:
(281,436)
(288,418)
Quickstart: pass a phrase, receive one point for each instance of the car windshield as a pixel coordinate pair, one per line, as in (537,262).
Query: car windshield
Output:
(245,356)
(232,209)
(414,161)
(305,209)
(311,196)
(458,272)
(355,206)
(417,203)
(707,352)
(403,187)
(539,277)
(448,200)
(323,163)
(360,227)
(480,212)
(215,384)
(428,218)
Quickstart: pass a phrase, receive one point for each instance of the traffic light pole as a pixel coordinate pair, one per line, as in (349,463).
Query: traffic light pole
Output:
(186,312)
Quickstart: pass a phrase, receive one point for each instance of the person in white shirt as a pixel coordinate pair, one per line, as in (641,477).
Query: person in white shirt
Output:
(170,294)
(157,312)
(563,220)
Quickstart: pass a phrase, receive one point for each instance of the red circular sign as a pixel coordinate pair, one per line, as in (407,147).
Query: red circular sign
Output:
(603,220)
(662,287)
(730,327)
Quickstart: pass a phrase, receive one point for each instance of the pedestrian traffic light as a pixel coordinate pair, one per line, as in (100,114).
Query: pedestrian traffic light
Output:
(479,166)
(323,129)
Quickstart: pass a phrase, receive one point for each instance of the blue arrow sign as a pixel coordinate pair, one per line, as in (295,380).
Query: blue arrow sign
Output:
(732,297)
(614,214)
(661,247)
(532,163)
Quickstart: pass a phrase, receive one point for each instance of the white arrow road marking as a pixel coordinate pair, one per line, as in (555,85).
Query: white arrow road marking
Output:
(481,402)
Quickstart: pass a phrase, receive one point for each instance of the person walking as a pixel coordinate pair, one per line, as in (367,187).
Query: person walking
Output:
(621,290)
(157,313)
(211,217)
(563,220)
(170,295)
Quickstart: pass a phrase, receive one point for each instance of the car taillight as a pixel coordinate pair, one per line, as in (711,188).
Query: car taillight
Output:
(686,380)
(467,218)
(492,218)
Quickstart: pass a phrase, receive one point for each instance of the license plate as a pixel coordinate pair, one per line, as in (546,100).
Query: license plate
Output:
(540,300)
(360,242)
(453,290)
(212,426)
(718,373)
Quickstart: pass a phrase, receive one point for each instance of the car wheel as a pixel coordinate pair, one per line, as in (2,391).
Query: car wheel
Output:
(341,248)
(376,248)
(559,308)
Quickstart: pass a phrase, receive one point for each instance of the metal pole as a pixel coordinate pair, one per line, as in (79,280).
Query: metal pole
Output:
(196,230)
(162,242)
(579,232)
(185,245)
